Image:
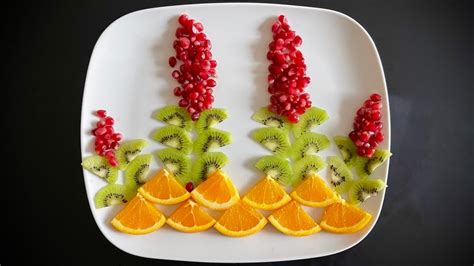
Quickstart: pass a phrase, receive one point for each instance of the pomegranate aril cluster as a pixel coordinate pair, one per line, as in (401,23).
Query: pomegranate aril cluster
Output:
(196,68)
(106,139)
(367,133)
(287,79)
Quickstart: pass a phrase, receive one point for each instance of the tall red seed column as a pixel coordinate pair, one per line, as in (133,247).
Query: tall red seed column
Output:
(196,68)
(287,79)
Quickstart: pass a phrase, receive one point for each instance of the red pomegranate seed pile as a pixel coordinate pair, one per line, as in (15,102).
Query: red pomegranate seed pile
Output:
(106,139)
(367,133)
(196,69)
(287,79)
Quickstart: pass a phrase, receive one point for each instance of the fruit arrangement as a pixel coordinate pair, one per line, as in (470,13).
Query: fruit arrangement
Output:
(192,172)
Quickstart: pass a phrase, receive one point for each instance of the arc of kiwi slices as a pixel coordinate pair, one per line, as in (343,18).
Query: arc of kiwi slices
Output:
(137,170)
(366,166)
(174,115)
(341,175)
(274,139)
(101,167)
(363,189)
(210,117)
(309,165)
(312,118)
(174,137)
(309,143)
(348,150)
(113,194)
(209,140)
(206,164)
(264,116)
(176,162)
(128,151)
(276,167)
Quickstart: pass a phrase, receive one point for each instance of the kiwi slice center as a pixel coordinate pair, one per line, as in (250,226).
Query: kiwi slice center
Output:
(114,199)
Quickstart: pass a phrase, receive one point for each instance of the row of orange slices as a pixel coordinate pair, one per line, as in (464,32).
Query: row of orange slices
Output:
(217,192)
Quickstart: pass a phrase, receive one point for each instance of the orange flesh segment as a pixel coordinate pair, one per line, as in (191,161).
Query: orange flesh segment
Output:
(240,220)
(190,217)
(162,187)
(267,194)
(314,192)
(216,192)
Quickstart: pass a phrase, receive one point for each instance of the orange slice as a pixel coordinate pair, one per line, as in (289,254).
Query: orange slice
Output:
(139,217)
(164,189)
(314,192)
(240,220)
(267,194)
(293,220)
(343,218)
(217,192)
(190,218)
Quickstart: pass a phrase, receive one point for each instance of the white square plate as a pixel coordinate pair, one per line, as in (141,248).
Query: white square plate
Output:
(129,76)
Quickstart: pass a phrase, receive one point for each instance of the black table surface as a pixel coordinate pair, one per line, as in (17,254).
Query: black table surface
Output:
(427,52)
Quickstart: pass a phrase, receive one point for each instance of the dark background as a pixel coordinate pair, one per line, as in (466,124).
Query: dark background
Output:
(427,51)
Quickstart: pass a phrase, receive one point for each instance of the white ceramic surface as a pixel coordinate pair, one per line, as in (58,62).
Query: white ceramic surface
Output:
(129,76)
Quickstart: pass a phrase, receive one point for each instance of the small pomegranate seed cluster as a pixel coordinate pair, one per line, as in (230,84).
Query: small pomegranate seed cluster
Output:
(287,79)
(197,69)
(106,139)
(367,133)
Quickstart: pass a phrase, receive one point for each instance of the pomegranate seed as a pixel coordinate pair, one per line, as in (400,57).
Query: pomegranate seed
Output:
(199,26)
(282,19)
(368,103)
(109,121)
(183,19)
(113,162)
(115,145)
(211,83)
(376,106)
(110,154)
(297,41)
(178,91)
(100,131)
(293,118)
(100,124)
(183,103)
(375,115)
(276,26)
(359,143)
(195,116)
(364,136)
(175,74)
(117,136)
(369,152)
(379,137)
(361,151)
(375,97)
(189,186)
(353,136)
(110,129)
(172,61)
(101,113)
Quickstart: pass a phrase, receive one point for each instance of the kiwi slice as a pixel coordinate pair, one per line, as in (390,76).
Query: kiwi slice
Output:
(309,165)
(274,139)
(348,150)
(174,137)
(176,162)
(210,118)
(264,116)
(312,118)
(366,166)
(206,164)
(137,170)
(128,151)
(175,115)
(210,140)
(276,167)
(309,143)
(341,175)
(363,189)
(113,194)
(100,166)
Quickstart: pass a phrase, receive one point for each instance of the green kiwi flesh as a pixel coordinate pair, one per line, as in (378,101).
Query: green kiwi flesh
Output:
(366,166)
(309,165)
(207,164)
(100,166)
(264,116)
(210,117)
(341,175)
(348,150)
(174,115)
(137,170)
(176,162)
(274,139)
(113,194)
(309,143)
(174,137)
(210,140)
(128,151)
(276,167)
(363,189)
(312,118)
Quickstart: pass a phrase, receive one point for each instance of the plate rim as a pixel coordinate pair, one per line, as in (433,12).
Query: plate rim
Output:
(244,260)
